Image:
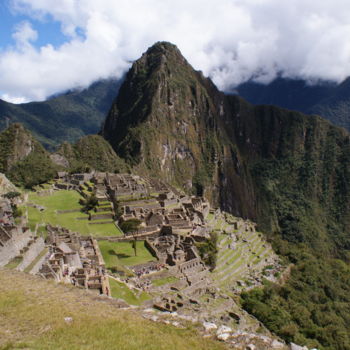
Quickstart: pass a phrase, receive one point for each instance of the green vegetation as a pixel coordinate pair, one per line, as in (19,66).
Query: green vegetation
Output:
(122,253)
(92,152)
(16,211)
(35,169)
(11,195)
(208,250)
(14,262)
(89,203)
(131,225)
(120,290)
(72,114)
(165,280)
(312,308)
(33,311)
(23,159)
(75,221)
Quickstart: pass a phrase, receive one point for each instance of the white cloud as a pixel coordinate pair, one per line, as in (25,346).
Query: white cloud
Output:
(24,34)
(229,40)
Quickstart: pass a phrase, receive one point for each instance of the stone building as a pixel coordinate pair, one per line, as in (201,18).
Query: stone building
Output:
(75,259)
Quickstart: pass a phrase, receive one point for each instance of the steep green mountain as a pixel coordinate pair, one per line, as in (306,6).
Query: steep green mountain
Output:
(23,159)
(170,121)
(90,152)
(66,117)
(330,100)
(287,170)
(167,121)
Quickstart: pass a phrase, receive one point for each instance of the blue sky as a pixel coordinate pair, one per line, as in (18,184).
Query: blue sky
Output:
(49,31)
(49,46)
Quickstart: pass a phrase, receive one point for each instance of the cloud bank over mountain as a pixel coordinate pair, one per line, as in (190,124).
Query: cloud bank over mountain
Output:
(229,40)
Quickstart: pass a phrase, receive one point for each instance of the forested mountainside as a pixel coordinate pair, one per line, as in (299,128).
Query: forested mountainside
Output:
(90,152)
(329,100)
(26,162)
(23,159)
(287,170)
(66,117)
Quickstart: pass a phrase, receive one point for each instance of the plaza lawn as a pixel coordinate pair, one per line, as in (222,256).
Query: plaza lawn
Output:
(122,253)
(66,200)
(121,291)
(165,280)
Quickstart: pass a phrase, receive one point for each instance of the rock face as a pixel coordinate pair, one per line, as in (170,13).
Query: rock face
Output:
(6,185)
(288,171)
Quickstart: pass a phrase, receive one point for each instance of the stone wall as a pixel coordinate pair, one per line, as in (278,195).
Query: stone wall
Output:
(101,216)
(12,248)
(39,264)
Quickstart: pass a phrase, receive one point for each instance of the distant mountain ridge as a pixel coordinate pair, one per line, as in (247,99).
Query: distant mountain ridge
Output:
(65,117)
(329,100)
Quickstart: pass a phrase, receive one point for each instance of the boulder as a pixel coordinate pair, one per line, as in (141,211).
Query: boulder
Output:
(209,326)
(297,347)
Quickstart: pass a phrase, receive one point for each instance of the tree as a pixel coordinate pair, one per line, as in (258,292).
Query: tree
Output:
(130,226)
(89,203)
(11,195)
(134,245)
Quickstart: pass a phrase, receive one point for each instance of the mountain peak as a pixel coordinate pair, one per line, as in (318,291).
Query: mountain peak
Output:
(164,47)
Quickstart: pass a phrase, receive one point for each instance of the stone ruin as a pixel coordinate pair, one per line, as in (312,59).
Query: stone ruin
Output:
(15,240)
(75,259)
(180,255)
(150,201)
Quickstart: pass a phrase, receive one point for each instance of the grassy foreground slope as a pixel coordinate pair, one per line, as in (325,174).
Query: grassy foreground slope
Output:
(32,313)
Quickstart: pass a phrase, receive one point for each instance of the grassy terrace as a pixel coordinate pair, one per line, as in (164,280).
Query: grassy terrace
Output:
(122,253)
(32,317)
(14,262)
(121,291)
(36,260)
(165,280)
(66,200)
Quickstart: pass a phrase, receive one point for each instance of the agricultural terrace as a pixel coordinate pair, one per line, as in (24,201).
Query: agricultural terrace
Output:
(63,200)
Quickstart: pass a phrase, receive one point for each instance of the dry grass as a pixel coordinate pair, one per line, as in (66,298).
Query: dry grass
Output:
(32,313)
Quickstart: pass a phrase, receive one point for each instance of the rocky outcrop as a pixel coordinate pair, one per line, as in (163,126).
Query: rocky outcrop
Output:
(6,185)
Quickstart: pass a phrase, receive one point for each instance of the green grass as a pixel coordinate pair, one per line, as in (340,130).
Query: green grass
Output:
(210,217)
(66,200)
(120,290)
(162,281)
(32,317)
(14,262)
(122,253)
(60,200)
